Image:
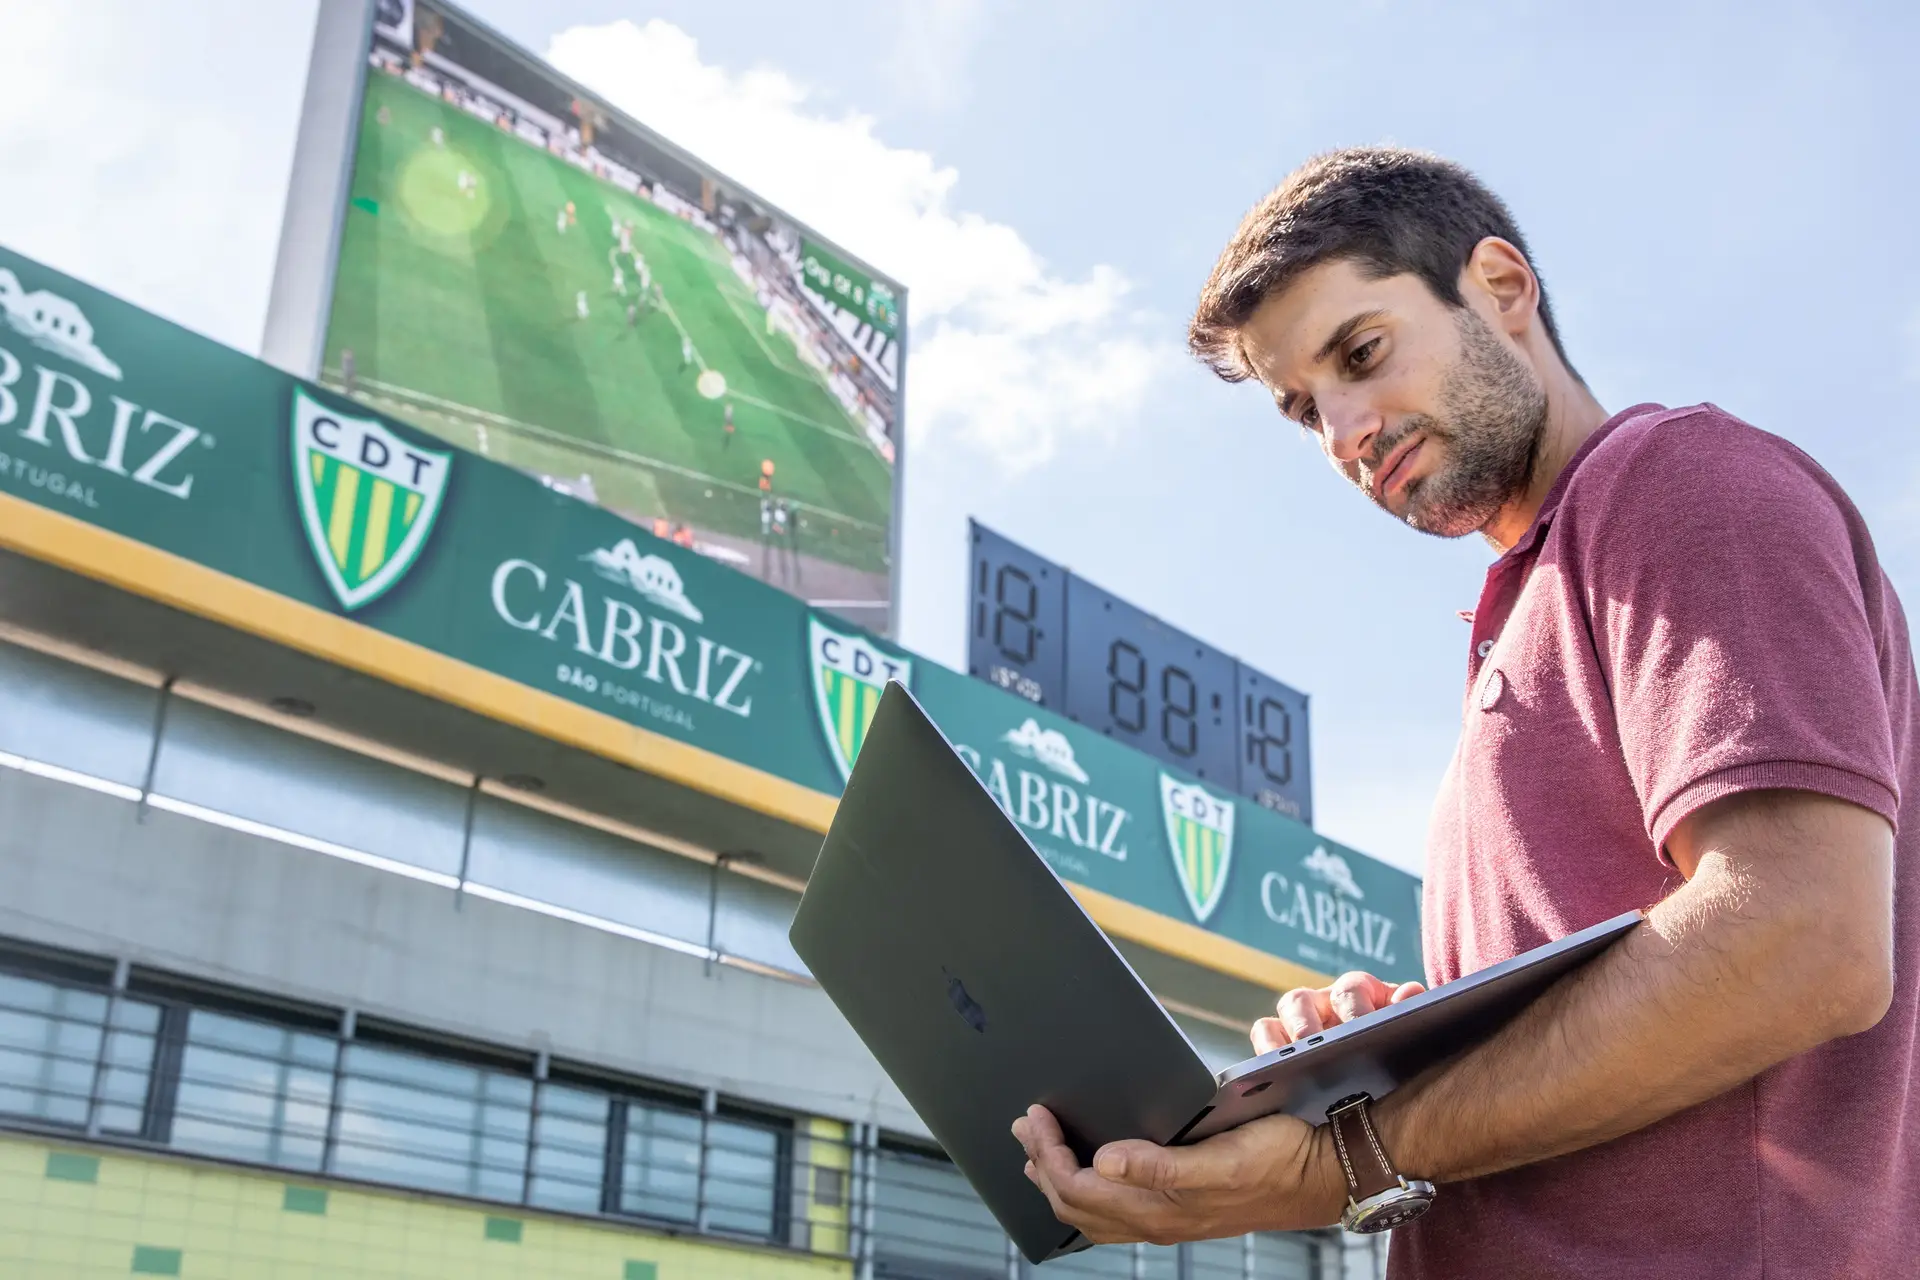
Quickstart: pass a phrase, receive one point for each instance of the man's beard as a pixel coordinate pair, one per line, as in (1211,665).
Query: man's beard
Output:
(1494,414)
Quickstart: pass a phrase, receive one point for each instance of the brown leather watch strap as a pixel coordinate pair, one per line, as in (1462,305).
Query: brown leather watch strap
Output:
(1368,1170)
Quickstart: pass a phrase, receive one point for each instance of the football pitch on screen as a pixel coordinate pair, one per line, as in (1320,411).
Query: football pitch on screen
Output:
(460,296)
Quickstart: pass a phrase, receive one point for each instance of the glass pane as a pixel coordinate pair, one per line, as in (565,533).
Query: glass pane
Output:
(253,1091)
(929,1225)
(741,1164)
(428,1123)
(570,1148)
(50,1038)
(1107,1262)
(1289,1257)
(1218,1259)
(660,1171)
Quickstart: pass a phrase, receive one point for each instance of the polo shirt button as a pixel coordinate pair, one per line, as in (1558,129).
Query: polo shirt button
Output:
(1486,647)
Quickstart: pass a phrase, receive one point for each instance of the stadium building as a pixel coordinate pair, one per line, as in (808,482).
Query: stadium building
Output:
(396,859)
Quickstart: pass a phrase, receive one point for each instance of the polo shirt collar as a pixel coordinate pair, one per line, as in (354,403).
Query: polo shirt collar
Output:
(1551,505)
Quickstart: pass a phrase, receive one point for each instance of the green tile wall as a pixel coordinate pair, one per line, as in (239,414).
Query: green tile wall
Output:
(75,1215)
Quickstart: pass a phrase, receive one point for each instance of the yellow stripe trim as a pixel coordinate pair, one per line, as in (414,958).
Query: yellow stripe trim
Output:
(147,571)
(1193,944)
(319,465)
(413,504)
(346,487)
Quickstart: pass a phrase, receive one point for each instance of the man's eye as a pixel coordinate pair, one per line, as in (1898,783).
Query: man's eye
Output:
(1310,416)
(1362,355)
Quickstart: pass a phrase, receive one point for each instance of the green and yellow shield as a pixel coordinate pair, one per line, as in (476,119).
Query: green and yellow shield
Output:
(368,499)
(850,672)
(1200,833)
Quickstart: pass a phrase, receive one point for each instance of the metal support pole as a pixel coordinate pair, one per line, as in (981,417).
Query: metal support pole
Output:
(1138,1271)
(709,1103)
(347,1023)
(713,909)
(122,971)
(870,1146)
(1183,1261)
(542,1062)
(466,842)
(153,751)
(1246,1257)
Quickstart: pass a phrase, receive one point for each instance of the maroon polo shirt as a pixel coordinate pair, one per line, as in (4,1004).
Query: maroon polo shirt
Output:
(1697,611)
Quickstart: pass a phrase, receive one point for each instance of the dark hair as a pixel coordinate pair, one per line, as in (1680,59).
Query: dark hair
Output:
(1387,209)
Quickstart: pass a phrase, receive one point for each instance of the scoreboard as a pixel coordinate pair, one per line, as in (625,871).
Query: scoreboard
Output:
(1059,641)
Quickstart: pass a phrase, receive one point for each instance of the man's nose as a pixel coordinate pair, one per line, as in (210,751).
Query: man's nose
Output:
(1348,428)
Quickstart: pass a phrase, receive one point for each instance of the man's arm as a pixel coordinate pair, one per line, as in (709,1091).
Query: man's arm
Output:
(1781,939)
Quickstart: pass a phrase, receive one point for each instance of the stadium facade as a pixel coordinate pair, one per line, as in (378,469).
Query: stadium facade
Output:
(396,858)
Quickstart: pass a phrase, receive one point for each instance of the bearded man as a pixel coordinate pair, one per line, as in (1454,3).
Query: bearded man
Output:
(1689,689)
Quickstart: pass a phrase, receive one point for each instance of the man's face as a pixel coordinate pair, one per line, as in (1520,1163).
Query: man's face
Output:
(1421,405)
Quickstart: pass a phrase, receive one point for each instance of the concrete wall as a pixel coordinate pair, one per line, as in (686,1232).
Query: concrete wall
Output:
(178,893)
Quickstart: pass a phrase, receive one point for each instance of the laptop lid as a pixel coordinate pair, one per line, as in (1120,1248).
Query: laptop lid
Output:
(975,978)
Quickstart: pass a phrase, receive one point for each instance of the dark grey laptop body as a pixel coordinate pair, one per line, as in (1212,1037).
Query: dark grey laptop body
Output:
(981,987)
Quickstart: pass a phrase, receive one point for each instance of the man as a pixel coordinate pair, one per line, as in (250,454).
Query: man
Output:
(726,427)
(1689,687)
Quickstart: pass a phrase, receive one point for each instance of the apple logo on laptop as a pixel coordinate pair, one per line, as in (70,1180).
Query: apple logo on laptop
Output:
(965,1005)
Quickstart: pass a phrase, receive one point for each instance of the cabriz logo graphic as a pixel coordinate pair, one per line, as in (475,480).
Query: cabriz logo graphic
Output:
(1333,869)
(368,499)
(1048,746)
(849,674)
(653,578)
(51,322)
(1200,832)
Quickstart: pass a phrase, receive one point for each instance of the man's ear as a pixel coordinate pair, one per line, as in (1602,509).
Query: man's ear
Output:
(1499,274)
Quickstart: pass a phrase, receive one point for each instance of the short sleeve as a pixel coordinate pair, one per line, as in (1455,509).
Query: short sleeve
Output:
(1728,581)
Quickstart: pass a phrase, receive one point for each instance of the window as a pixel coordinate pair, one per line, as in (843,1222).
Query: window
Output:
(743,1167)
(432,1124)
(253,1091)
(660,1163)
(51,1051)
(570,1149)
(928,1223)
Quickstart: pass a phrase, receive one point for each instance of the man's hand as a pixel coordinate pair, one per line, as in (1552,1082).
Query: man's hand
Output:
(1307,1011)
(1274,1174)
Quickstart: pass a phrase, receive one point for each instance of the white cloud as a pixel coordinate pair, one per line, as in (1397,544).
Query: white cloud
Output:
(146,148)
(931,50)
(1005,355)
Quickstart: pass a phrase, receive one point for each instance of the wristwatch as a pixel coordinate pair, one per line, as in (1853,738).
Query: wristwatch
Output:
(1378,1197)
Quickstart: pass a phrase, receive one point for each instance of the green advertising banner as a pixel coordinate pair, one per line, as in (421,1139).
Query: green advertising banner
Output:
(140,428)
(840,282)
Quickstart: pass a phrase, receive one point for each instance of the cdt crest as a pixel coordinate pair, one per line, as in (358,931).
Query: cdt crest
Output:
(368,499)
(1200,834)
(849,673)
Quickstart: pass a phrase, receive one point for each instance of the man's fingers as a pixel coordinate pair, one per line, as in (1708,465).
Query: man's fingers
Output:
(1406,991)
(1355,995)
(1269,1034)
(1304,1011)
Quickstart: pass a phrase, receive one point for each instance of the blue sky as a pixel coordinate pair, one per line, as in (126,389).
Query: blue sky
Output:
(1719,196)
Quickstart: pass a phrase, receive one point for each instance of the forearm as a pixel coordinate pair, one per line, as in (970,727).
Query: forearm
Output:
(1726,978)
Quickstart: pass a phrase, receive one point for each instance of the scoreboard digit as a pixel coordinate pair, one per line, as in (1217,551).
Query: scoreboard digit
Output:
(1152,686)
(1017,620)
(1059,641)
(1275,770)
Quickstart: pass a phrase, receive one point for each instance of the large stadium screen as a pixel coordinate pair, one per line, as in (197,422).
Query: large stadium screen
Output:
(530,274)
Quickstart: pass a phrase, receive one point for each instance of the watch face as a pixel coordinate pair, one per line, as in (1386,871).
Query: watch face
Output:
(1392,1208)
